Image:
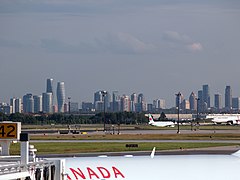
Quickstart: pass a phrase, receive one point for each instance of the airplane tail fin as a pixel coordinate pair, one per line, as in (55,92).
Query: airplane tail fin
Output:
(153,152)
(150,118)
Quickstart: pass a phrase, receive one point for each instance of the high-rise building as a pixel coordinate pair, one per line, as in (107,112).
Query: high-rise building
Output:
(47,103)
(159,104)
(13,104)
(193,101)
(206,95)
(60,96)
(115,101)
(74,107)
(102,100)
(179,99)
(87,106)
(125,103)
(28,103)
(236,103)
(141,104)
(200,103)
(228,98)
(49,88)
(185,105)
(218,101)
(37,103)
(18,105)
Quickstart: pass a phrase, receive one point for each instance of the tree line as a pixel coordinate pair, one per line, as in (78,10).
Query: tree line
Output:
(61,118)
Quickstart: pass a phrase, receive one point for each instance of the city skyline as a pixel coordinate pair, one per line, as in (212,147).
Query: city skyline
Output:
(157,48)
(187,101)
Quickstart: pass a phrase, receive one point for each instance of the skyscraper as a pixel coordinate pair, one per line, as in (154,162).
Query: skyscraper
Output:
(206,95)
(60,96)
(47,102)
(236,103)
(193,101)
(28,103)
(228,98)
(49,88)
(218,101)
(125,103)
(115,101)
(37,104)
(13,104)
(200,103)
(18,105)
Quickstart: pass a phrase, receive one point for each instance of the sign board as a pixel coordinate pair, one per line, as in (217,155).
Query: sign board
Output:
(10,130)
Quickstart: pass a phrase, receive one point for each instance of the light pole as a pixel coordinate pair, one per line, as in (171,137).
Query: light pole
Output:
(69,105)
(104,93)
(197,107)
(178,100)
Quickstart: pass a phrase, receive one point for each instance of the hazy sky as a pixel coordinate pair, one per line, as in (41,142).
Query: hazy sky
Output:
(154,47)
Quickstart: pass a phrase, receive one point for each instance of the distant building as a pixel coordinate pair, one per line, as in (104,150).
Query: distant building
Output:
(206,95)
(236,103)
(49,88)
(159,104)
(37,104)
(228,98)
(87,106)
(13,104)
(125,103)
(115,105)
(200,102)
(18,105)
(185,104)
(218,101)
(60,96)
(28,103)
(179,100)
(74,107)
(47,103)
(193,101)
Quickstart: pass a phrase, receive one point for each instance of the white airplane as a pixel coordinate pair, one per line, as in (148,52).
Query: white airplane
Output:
(170,167)
(159,123)
(224,118)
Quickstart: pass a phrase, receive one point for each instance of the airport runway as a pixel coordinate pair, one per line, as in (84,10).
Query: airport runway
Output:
(160,131)
(227,150)
(140,140)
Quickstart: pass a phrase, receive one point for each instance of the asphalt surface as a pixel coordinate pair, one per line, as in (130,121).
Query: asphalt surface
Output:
(226,150)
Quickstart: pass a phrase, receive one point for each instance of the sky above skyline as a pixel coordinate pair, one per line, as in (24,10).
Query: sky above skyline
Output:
(154,47)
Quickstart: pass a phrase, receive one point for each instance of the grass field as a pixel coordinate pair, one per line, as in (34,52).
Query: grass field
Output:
(74,147)
(197,136)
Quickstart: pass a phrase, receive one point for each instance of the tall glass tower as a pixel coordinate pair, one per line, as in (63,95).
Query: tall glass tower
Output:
(49,86)
(206,95)
(228,98)
(60,96)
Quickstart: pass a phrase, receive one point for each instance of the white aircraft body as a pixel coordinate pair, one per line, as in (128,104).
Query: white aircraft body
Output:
(159,123)
(163,167)
(224,118)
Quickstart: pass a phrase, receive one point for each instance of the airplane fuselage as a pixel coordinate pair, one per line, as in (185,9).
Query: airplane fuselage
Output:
(170,167)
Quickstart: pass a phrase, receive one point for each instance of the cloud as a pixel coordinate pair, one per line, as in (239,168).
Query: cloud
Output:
(174,36)
(118,43)
(194,47)
(181,41)
(125,43)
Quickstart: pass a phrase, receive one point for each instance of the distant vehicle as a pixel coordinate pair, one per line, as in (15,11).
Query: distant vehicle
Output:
(224,119)
(159,123)
(170,167)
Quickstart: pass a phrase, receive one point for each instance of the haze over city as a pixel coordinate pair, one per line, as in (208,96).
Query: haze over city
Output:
(157,48)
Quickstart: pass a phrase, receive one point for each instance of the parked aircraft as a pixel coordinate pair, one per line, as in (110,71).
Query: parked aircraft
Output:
(170,167)
(224,118)
(159,123)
